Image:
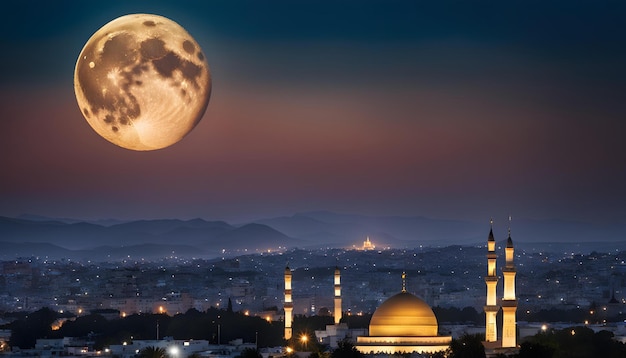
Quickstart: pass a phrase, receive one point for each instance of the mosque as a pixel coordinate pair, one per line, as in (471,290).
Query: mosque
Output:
(404,323)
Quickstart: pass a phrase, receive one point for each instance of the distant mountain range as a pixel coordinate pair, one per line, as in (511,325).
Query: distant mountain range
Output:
(344,230)
(401,231)
(30,235)
(135,239)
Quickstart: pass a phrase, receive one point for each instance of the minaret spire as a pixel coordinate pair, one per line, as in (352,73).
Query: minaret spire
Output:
(288,303)
(338,311)
(509,300)
(403,281)
(491,280)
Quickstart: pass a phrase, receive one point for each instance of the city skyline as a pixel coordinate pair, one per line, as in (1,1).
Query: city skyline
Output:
(445,110)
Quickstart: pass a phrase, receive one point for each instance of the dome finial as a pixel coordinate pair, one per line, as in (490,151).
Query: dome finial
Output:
(403,281)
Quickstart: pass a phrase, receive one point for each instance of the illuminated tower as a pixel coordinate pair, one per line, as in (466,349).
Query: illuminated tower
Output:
(367,244)
(403,282)
(288,303)
(337,296)
(509,302)
(491,309)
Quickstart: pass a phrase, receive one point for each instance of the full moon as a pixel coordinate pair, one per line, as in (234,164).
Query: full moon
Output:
(142,82)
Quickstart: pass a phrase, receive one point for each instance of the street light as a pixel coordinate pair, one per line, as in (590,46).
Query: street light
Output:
(304,339)
(174,351)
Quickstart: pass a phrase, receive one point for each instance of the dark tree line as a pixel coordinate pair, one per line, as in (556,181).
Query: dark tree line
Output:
(226,325)
(211,325)
(572,343)
(25,330)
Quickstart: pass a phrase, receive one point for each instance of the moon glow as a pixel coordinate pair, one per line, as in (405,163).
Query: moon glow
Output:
(142,82)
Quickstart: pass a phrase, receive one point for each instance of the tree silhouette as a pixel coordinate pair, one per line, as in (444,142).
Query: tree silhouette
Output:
(467,346)
(319,355)
(25,332)
(346,349)
(572,342)
(152,352)
(535,350)
(249,353)
(190,325)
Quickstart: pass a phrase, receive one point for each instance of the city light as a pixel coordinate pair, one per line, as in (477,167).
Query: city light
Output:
(304,339)
(173,351)
(150,298)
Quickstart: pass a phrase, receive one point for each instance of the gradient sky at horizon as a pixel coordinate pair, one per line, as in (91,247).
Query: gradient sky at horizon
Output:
(445,109)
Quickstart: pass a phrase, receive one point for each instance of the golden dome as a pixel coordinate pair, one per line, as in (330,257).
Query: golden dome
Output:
(403,315)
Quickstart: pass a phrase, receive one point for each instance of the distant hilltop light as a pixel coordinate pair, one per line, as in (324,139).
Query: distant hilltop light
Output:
(367,245)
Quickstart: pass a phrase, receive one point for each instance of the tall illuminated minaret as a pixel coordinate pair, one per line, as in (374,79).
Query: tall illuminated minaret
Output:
(288,303)
(491,309)
(338,312)
(509,302)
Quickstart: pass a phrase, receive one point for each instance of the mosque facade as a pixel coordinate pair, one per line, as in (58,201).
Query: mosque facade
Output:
(404,323)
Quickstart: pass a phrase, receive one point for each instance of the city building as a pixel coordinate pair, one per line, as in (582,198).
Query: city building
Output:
(181,348)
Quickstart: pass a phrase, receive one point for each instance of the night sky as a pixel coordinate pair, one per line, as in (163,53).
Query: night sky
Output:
(445,109)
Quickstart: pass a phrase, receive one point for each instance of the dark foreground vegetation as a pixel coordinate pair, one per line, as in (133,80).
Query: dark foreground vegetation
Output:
(225,325)
(190,325)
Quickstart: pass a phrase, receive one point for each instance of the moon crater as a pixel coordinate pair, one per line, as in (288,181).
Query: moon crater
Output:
(142,82)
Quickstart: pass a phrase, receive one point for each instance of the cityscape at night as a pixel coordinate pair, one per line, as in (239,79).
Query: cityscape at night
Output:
(314,179)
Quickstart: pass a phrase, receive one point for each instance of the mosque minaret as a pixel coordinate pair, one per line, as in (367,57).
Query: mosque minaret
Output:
(288,303)
(338,311)
(491,309)
(509,301)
